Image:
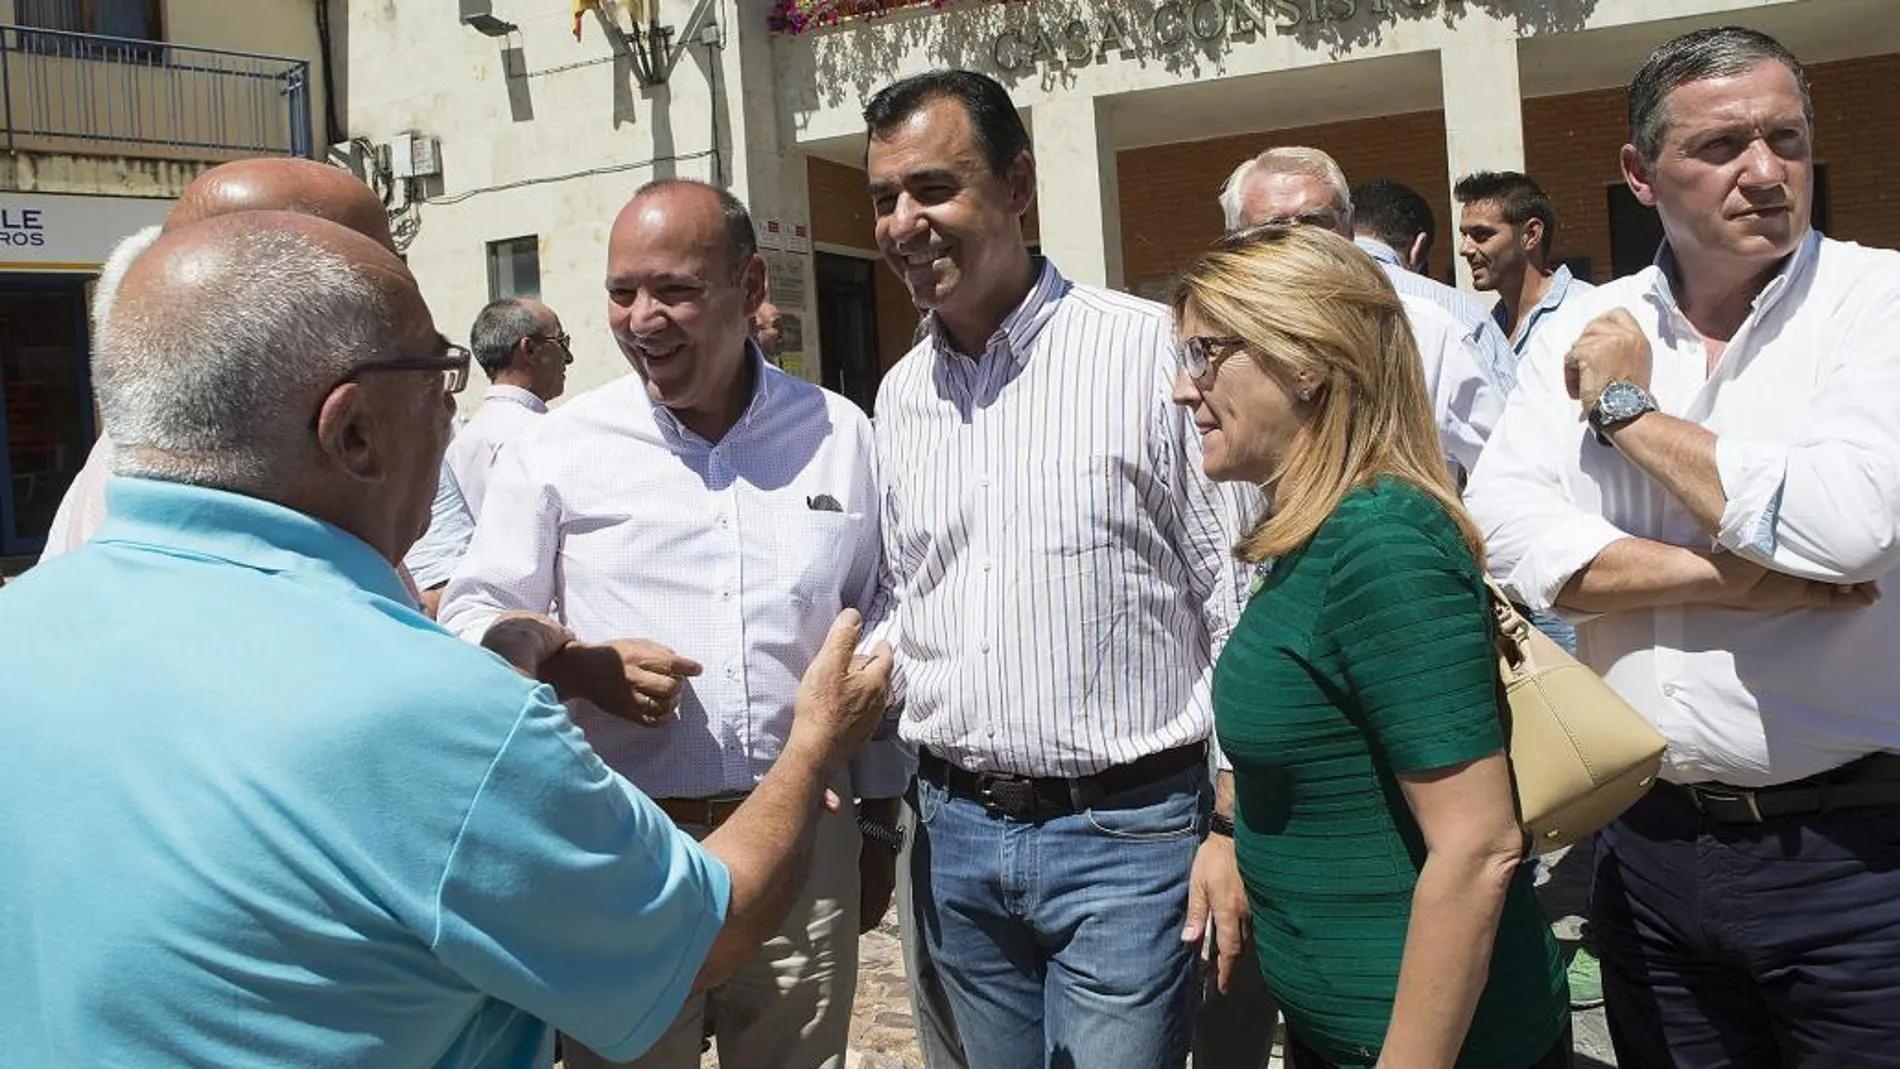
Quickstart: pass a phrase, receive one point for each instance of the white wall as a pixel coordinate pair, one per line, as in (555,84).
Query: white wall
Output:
(574,139)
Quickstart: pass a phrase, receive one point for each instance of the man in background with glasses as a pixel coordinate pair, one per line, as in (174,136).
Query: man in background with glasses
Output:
(520,345)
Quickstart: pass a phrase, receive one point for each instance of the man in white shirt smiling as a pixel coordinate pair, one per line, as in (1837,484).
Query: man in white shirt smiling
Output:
(1702,460)
(1063,581)
(717,505)
(523,351)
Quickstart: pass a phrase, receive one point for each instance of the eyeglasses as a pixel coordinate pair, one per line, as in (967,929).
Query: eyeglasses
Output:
(1200,354)
(453,364)
(561,340)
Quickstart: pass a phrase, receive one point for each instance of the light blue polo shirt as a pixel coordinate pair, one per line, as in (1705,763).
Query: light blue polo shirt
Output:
(259,811)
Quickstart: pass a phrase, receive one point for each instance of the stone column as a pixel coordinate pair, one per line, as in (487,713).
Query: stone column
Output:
(1484,115)
(768,173)
(1077,194)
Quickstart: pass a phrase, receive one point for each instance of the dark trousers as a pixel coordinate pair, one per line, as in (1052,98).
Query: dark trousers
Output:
(1299,1056)
(1750,946)
(1234,1029)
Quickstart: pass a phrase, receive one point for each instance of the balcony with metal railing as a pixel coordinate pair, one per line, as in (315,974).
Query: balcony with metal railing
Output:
(80,93)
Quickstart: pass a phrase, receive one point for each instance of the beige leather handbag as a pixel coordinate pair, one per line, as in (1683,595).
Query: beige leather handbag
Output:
(1580,755)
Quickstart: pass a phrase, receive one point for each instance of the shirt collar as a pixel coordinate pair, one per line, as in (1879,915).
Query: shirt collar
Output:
(1019,328)
(516,395)
(246,531)
(766,385)
(1796,265)
(1378,250)
(1560,281)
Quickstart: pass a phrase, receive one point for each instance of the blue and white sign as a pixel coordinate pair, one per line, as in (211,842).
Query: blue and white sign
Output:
(57,232)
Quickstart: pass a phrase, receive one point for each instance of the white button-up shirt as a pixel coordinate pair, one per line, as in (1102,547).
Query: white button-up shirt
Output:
(1062,565)
(1479,332)
(1466,400)
(506,412)
(613,516)
(1805,404)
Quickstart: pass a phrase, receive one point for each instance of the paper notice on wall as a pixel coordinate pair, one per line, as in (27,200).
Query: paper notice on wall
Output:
(800,240)
(772,236)
(785,281)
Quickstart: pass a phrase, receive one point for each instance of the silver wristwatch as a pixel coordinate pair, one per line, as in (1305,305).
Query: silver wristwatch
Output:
(1620,402)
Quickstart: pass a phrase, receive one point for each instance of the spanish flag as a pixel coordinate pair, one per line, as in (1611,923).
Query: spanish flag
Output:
(581,6)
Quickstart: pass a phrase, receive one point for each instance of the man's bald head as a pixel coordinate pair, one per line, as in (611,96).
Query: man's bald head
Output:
(225,327)
(279,184)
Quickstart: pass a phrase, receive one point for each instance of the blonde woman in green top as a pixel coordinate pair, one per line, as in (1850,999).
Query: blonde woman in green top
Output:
(1374,825)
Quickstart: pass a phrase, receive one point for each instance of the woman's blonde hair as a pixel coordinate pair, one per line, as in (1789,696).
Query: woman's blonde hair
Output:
(1303,300)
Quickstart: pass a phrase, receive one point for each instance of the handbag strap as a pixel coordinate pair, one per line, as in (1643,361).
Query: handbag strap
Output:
(1510,631)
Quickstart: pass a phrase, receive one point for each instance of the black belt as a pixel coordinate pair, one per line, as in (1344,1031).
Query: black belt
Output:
(1036,797)
(1870,781)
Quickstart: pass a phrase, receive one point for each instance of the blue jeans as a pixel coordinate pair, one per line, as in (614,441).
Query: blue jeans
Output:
(1059,941)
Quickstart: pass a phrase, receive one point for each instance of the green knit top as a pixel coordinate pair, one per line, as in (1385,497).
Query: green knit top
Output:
(1365,654)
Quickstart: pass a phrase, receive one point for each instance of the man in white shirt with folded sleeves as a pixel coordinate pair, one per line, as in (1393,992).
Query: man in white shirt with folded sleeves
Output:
(1702,464)
(724,512)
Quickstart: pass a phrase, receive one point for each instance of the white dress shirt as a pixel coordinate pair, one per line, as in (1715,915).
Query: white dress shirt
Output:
(506,412)
(1805,404)
(622,523)
(1062,566)
(1480,332)
(83,508)
(432,560)
(1466,400)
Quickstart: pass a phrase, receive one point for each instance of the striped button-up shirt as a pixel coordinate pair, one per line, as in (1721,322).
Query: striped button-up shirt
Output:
(1061,564)
(739,554)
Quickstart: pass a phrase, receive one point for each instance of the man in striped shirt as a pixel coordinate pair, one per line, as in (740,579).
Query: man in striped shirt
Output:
(1062,577)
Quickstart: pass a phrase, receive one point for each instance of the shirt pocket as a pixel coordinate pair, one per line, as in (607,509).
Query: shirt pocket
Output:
(1069,508)
(814,553)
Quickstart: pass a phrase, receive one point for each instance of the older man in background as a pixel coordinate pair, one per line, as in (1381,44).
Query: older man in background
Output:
(1304,186)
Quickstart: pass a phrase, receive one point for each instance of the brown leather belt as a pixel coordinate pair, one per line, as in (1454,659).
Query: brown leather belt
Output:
(1871,781)
(1039,797)
(701,812)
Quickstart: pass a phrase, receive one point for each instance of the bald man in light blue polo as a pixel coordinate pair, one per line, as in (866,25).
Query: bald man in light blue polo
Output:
(259,810)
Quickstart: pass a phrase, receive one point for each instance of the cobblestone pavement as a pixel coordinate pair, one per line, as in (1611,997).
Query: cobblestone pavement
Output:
(883,1037)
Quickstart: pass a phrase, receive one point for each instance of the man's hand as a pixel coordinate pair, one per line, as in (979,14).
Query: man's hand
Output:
(431,600)
(1218,915)
(877,865)
(1611,348)
(526,640)
(841,701)
(631,678)
(1747,585)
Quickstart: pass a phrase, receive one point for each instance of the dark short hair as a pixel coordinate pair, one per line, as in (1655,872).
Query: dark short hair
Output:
(742,240)
(1518,198)
(1392,212)
(498,327)
(999,130)
(1694,57)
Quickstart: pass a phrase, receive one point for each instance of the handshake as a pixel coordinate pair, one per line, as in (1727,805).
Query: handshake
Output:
(841,698)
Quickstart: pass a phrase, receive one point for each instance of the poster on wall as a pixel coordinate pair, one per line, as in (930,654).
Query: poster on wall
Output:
(785,287)
(771,236)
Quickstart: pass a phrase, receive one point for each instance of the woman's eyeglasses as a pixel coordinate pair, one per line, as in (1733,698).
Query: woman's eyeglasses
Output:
(1200,354)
